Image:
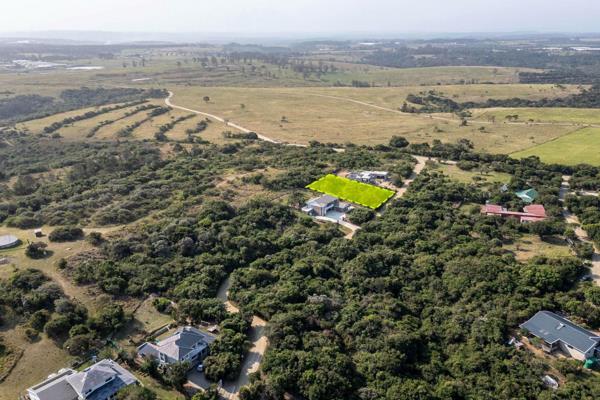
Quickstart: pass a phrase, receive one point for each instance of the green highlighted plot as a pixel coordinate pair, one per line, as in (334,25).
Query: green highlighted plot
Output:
(352,191)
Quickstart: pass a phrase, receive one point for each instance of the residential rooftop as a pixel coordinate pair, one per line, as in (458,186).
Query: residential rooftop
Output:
(553,328)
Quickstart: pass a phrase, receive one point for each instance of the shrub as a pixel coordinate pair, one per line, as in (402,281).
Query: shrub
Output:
(31,334)
(95,238)
(36,250)
(39,319)
(66,234)
(360,216)
(398,142)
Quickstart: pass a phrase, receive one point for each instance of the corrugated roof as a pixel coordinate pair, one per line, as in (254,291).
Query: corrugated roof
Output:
(552,328)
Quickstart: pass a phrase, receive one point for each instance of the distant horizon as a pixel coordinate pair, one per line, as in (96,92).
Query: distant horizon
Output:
(102,36)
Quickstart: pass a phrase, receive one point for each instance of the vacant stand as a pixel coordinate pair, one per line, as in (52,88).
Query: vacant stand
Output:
(9,241)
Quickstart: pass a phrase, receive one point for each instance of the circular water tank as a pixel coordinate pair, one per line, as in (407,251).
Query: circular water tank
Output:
(8,241)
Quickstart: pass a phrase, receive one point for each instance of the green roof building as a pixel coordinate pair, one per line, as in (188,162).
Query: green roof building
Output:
(527,195)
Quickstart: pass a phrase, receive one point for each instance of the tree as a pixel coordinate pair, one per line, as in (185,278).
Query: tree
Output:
(176,374)
(398,142)
(212,393)
(36,250)
(38,320)
(57,327)
(206,99)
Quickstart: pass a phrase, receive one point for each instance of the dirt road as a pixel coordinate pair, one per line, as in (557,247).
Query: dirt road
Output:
(582,235)
(439,118)
(259,344)
(169,103)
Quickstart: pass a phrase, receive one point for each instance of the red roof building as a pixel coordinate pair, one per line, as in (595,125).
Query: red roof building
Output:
(531,213)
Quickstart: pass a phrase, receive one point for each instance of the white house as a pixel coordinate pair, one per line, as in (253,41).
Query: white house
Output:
(186,344)
(101,381)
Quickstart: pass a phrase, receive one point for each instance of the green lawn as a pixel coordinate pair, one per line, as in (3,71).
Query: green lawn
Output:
(582,146)
(352,191)
(467,176)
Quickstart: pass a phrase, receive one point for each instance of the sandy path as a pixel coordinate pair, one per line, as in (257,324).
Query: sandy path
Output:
(582,235)
(259,344)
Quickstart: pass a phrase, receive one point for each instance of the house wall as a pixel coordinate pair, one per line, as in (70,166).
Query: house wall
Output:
(576,354)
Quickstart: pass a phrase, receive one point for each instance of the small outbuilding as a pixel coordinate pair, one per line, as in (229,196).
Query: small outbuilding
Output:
(9,241)
(527,195)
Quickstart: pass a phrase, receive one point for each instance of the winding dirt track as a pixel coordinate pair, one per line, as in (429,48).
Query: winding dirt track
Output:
(582,235)
(228,123)
(258,346)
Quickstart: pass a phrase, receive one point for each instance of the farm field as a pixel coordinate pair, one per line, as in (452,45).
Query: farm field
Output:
(582,146)
(80,129)
(312,114)
(355,192)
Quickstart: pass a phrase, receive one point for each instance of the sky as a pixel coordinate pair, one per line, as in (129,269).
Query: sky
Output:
(254,17)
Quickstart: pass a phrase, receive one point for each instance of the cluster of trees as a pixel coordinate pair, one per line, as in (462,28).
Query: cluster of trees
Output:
(200,127)
(163,129)
(436,103)
(155,112)
(473,53)
(587,209)
(240,135)
(89,114)
(24,107)
(41,304)
(136,110)
(228,351)
(564,76)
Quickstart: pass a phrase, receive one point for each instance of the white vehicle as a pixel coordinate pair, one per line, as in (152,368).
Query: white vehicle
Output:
(200,367)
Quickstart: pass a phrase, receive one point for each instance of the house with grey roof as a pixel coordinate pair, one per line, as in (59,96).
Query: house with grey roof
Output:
(100,381)
(186,344)
(320,206)
(558,333)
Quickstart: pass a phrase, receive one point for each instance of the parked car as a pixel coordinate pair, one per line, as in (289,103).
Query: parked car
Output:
(200,367)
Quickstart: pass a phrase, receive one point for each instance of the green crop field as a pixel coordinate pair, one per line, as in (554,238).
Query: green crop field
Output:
(582,146)
(352,191)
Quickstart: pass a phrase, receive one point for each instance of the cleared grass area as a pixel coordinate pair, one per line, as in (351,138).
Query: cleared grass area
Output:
(530,246)
(582,146)
(39,359)
(559,115)
(472,176)
(352,191)
(311,115)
